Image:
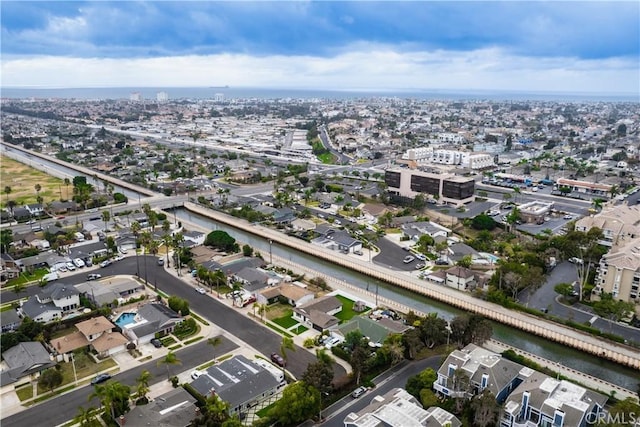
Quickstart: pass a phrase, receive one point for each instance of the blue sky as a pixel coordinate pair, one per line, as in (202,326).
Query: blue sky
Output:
(572,46)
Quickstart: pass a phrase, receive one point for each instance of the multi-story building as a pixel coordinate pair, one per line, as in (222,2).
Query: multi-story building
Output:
(448,188)
(544,401)
(397,408)
(135,97)
(162,96)
(619,224)
(484,369)
(427,155)
(619,273)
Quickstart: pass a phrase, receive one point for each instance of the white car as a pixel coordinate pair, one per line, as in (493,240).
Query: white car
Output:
(421,257)
(105,263)
(408,259)
(196,374)
(118,258)
(567,216)
(201,291)
(78,263)
(70,266)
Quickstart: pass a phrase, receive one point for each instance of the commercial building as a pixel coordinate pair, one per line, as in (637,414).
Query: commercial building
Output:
(471,160)
(585,186)
(619,273)
(447,188)
(535,211)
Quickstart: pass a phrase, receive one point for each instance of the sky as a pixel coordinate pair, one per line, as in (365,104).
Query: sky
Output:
(526,46)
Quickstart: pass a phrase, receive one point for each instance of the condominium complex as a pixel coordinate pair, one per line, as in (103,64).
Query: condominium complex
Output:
(447,188)
(619,224)
(619,273)
(427,155)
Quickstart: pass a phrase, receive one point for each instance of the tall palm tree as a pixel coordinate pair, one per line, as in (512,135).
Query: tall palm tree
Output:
(106,216)
(142,384)
(214,342)
(114,396)
(287,344)
(7,191)
(145,243)
(135,229)
(177,241)
(219,278)
(169,359)
(38,187)
(166,238)
(66,184)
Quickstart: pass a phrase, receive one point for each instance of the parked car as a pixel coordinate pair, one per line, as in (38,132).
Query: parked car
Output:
(78,263)
(408,259)
(277,359)
(575,260)
(358,392)
(156,343)
(196,374)
(441,262)
(99,379)
(70,266)
(93,276)
(419,266)
(201,291)
(421,257)
(105,263)
(406,248)
(160,261)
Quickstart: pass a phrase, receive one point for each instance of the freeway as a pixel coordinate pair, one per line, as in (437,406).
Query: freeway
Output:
(64,407)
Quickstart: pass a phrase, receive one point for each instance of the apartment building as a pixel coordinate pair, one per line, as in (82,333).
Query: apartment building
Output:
(619,273)
(619,224)
(544,401)
(397,408)
(427,155)
(447,188)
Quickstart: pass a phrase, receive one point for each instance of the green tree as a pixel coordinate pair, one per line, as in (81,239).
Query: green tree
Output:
(424,380)
(50,379)
(142,386)
(106,216)
(285,346)
(6,238)
(611,308)
(564,289)
(221,240)
(485,409)
(85,417)
(623,411)
(298,403)
(135,229)
(483,222)
(114,396)
(179,305)
(214,342)
(319,374)
(465,261)
(247,250)
(7,191)
(214,413)
(169,359)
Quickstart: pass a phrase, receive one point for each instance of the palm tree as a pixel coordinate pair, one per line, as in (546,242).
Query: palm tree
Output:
(7,191)
(106,216)
(287,344)
(135,229)
(85,417)
(38,187)
(66,184)
(142,385)
(214,342)
(218,277)
(114,396)
(169,359)
(176,242)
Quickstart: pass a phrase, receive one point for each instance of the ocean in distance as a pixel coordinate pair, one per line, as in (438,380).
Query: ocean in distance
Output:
(230,93)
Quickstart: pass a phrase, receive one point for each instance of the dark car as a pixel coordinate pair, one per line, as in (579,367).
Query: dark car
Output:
(100,379)
(156,343)
(277,359)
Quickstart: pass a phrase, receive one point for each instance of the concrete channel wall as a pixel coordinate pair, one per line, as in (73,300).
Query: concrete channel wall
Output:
(85,171)
(562,334)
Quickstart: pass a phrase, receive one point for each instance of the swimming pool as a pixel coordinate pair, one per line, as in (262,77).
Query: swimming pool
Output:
(490,257)
(125,319)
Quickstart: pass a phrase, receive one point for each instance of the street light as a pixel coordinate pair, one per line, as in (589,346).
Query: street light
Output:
(270,254)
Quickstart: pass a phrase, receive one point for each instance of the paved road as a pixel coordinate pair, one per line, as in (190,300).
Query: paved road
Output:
(337,412)
(391,256)
(63,408)
(56,411)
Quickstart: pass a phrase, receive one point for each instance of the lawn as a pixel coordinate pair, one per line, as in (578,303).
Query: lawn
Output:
(265,411)
(279,330)
(27,277)
(286,321)
(327,158)
(25,392)
(300,329)
(85,367)
(347,309)
(22,180)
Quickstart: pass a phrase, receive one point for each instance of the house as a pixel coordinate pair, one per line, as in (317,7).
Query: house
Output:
(459,250)
(53,302)
(104,293)
(460,278)
(619,224)
(99,333)
(334,239)
(88,251)
(239,382)
(126,242)
(252,279)
(35,209)
(398,408)
(541,400)
(10,320)
(19,213)
(238,265)
(376,330)
(303,225)
(26,358)
(196,237)
(176,408)
(284,216)
(151,319)
(414,230)
(319,313)
(57,207)
(8,267)
(294,294)
(485,369)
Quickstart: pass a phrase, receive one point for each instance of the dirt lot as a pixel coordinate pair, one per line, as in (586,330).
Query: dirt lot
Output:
(22,180)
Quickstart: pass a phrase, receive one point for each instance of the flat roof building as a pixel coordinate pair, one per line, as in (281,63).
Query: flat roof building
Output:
(448,188)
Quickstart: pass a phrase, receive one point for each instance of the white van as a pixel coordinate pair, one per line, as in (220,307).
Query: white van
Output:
(50,277)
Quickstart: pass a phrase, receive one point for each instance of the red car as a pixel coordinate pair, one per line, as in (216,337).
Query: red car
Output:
(277,359)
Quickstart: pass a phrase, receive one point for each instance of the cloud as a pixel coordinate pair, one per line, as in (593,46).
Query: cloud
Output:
(363,67)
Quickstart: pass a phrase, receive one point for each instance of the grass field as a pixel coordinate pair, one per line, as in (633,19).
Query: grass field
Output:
(347,309)
(22,180)
(327,158)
